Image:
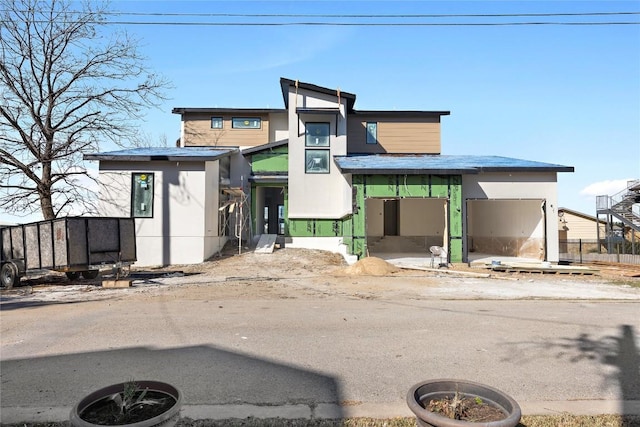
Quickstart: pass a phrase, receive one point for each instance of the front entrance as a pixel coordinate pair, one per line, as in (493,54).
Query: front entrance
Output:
(270,210)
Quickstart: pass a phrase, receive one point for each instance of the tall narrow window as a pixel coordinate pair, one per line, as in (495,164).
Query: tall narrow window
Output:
(316,134)
(372,133)
(142,195)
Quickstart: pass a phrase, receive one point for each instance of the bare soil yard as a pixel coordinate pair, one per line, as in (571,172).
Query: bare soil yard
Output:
(295,273)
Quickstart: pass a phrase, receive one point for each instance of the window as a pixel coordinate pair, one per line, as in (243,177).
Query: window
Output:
(316,161)
(316,135)
(142,195)
(372,133)
(246,122)
(216,122)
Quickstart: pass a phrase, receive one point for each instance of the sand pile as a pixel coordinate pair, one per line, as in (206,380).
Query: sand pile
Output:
(370,266)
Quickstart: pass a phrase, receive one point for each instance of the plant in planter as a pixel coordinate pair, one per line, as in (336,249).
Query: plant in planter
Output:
(457,403)
(142,403)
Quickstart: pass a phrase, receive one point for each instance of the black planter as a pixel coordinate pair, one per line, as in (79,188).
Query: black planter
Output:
(166,419)
(420,394)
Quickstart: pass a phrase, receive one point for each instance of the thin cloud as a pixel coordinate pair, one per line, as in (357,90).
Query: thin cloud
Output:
(605,188)
(268,55)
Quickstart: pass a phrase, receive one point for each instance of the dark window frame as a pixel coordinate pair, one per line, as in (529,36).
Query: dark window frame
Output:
(307,142)
(307,163)
(371,139)
(246,119)
(221,119)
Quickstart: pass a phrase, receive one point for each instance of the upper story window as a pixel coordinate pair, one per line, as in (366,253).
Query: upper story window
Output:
(246,123)
(316,134)
(216,122)
(142,195)
(372,132)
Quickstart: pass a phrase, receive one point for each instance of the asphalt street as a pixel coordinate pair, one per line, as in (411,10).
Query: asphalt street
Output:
(318,355)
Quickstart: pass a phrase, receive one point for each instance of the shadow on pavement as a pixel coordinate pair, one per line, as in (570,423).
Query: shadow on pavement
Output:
(206,375)
(619,351)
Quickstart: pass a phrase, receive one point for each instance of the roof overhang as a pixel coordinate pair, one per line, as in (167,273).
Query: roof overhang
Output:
(177,154)
(264,147)
(207,110)
(401,113)
(270,179)
(285,84)
(436,164)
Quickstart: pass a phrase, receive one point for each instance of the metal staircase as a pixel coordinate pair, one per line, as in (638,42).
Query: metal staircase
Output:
(620,205)
(619,209)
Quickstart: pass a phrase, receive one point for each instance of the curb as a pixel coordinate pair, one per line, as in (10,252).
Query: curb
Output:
(15,415)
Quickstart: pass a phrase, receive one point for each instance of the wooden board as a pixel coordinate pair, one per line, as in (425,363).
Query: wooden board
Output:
(266,244)
(529,268)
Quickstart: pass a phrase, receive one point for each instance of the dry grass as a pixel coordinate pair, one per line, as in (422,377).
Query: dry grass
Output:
(563,420)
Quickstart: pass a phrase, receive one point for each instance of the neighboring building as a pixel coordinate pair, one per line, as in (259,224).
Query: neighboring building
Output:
(324,175)
(578,232)
(574,225)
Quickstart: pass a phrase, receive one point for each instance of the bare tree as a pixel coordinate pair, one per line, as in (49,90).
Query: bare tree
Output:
(68,82)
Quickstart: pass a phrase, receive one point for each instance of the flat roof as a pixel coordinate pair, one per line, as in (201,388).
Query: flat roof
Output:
(216,110)
(437,164)
(182,154)
(401,113)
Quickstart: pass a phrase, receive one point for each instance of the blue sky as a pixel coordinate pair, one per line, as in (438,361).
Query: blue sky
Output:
(560,94)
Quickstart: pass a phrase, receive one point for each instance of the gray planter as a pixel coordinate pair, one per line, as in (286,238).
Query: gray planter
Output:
(167,419)
(437,389)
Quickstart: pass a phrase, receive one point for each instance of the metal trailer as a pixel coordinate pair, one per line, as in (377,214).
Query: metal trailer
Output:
(73,245)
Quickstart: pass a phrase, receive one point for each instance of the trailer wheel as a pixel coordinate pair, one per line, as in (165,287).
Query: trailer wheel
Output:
(90,274)
(73,275)
(9,275)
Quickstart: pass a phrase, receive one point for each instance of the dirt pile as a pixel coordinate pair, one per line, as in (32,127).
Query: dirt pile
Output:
(370,266)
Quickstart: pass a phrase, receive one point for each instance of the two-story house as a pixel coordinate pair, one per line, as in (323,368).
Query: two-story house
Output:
(321,174)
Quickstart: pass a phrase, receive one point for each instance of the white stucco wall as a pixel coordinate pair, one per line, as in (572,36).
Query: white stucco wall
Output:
(179,231)
(317,195)
(278,127)
(541,185)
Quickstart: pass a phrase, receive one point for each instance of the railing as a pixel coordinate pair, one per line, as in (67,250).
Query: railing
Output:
(607,202)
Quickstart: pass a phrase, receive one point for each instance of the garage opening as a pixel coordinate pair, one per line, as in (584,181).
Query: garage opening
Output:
(405,225)
(506,228)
